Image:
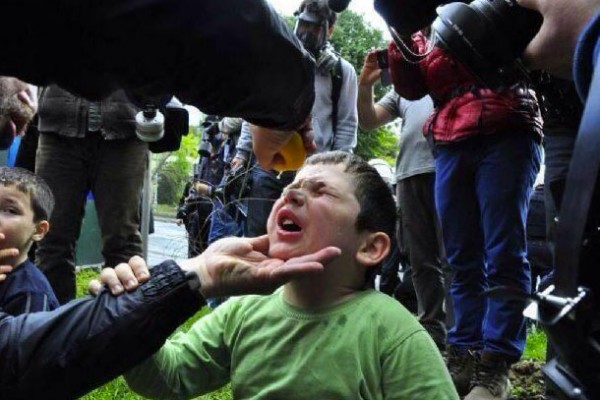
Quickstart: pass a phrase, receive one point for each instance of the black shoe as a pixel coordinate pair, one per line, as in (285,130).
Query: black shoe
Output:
(490,379)
(461,364)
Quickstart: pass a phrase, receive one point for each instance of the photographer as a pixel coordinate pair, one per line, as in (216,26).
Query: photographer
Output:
(229,208)
(487,157)
(91,49)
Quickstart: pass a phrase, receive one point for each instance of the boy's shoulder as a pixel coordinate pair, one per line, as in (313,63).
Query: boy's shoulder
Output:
(26,278)
(388,316)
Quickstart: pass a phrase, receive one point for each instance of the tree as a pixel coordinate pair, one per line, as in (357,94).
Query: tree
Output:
(173,169)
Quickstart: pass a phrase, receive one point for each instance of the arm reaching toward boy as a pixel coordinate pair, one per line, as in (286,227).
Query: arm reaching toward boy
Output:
(69,351)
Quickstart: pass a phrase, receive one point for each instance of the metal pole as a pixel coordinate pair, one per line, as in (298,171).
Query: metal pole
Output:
(146,206)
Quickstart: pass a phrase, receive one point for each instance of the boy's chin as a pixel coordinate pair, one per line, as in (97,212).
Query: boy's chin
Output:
(283,251)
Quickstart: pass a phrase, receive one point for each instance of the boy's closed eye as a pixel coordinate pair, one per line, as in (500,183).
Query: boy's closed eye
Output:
(314,188)
(10,210)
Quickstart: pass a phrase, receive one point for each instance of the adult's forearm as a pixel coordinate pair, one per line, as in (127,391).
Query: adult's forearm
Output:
(367,117)
(67,352)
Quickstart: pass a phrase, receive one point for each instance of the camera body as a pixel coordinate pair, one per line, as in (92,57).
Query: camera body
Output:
(487,36)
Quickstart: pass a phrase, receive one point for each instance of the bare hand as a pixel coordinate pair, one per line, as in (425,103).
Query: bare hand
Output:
(7,257)
(122,277)
(370,72)
(237,162)
(267,142)
(234,266)
(553,47)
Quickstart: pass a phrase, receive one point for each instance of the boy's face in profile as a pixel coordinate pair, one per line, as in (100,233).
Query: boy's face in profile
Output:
(317,210)
(16,220)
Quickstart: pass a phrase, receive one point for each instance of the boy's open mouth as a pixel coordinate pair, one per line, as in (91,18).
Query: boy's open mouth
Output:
(287,222)
(289,226)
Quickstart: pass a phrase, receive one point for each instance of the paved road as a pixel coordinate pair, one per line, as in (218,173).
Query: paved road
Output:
(167,241)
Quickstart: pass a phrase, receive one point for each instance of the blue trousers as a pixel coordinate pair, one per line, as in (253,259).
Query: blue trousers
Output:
(266,189)
(223,222)
(482,189)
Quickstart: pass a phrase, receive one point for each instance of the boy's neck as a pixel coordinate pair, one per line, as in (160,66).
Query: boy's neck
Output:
(14,261)
(315,293)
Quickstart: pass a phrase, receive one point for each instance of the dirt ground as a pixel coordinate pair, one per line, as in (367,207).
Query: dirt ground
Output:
(527,380)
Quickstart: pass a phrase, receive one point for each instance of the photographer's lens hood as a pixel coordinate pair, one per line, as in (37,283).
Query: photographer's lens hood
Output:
(487,36)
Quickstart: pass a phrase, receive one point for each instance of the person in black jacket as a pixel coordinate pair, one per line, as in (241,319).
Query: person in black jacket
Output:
(159,48)
(67,352)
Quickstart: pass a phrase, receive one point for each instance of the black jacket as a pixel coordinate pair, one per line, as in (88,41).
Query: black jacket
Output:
(228,57)
(67,352)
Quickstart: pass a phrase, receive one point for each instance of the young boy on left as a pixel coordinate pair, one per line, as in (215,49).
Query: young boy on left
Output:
(26,203)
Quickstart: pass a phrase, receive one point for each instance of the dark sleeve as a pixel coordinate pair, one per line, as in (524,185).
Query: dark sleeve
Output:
(228,57)
(67,352)
(407,77)
(27,302)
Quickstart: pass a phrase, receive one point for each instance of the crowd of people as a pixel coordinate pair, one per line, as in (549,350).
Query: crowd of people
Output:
(468,158)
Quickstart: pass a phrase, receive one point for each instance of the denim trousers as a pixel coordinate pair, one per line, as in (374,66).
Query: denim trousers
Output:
(482,190)
(267,187)
(113,170)
(225,221)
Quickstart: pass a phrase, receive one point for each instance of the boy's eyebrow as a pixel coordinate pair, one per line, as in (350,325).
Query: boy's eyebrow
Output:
(310,182)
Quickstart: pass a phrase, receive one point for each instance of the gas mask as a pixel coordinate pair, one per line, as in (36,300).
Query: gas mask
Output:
(312,32)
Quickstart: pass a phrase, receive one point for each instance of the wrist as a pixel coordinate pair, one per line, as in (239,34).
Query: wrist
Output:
(196,267)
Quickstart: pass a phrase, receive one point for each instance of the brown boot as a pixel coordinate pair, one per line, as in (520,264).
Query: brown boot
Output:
(490,379)
(460,364)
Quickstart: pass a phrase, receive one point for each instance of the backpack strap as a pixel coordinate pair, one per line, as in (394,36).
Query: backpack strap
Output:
(337,78)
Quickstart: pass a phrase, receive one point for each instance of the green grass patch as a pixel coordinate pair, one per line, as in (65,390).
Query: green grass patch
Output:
(165,210)
(535,348)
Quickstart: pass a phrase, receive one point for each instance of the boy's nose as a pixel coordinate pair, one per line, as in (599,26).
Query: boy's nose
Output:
(294,196)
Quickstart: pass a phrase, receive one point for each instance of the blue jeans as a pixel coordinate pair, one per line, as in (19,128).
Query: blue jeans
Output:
(223,222)
(483,185)
(266,189)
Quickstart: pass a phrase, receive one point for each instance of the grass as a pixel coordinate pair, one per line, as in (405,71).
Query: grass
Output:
(117,389)
(535,348)
(165,210)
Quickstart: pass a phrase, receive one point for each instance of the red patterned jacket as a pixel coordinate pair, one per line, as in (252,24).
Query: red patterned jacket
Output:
(464,107)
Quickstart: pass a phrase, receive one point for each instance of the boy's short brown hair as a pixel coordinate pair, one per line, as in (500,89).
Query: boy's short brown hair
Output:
(42,199)
(377,206)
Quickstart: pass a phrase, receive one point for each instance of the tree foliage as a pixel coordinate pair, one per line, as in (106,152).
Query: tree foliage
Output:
(173,169)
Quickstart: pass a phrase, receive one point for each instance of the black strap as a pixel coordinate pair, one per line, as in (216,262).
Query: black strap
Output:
(337,79)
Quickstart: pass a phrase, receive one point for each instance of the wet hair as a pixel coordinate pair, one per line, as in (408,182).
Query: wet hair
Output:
(319,8)
(377,208)
(42,199)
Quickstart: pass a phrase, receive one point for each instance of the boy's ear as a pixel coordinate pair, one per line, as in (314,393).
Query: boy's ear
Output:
(374,248)
(41,228)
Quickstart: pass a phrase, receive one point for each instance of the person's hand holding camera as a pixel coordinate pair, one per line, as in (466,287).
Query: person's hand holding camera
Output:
(370,72)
